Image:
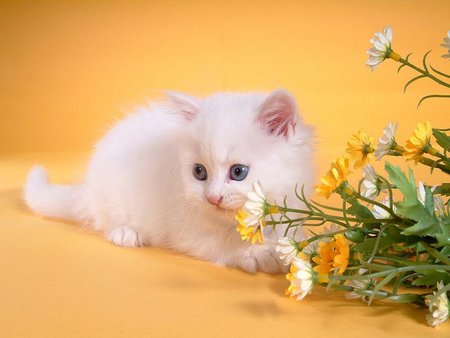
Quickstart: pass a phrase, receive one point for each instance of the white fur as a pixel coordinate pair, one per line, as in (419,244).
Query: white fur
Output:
(139,188)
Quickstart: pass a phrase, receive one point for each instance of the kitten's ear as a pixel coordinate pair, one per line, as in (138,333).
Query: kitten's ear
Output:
(185,104)
(278,113)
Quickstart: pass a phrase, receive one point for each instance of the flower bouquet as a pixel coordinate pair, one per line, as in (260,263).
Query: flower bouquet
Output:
(390,239)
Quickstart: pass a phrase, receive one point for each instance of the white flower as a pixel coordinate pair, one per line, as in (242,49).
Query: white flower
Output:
(381,49)
(439,207)
(286,249)
(370,183)
(380,213)
(301,278)
(256,203)
(255,208)
(446,44)
(387,141)
(439,308)
(363,284)
(421,192)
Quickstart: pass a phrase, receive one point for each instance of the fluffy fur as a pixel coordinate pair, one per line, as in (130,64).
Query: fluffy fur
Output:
(140,189)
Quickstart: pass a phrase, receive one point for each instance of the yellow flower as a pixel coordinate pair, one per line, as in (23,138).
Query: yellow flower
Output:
(332,255)
(337,175)
(360,146)
(248,233)
(419,142)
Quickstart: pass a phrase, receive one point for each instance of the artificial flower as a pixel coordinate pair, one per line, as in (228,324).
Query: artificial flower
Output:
(310,248)
(439,208)
(301,277)
(256,203)
(387,141)
(421,192)
(250,234)
(337,175)
(371,183)
(359,147)
(439,307)
(287,249)
(359,284)
(418,143)
(382,49)
(251,217)
(332,255)
(446,44)
(381,213)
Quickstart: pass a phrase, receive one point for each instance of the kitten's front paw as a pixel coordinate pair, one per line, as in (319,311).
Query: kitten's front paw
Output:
(261,258)
(124,236)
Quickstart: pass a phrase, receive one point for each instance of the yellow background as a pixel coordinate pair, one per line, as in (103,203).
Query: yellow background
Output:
(68,70)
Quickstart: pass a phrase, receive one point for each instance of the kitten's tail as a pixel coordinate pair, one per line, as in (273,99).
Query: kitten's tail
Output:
(53,200)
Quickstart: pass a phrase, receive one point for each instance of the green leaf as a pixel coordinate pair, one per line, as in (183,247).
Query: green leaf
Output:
(442,139)
(390,236)
(444,237)
(429,201)
(410,207)
(356,235)
(399,179)
(432,277)
(359,210)
(411,81)
(404,298)
(445,251)
(443,189)
(431,96)
(382,283)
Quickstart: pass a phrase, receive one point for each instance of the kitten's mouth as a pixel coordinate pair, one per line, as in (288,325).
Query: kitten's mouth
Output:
(224,208)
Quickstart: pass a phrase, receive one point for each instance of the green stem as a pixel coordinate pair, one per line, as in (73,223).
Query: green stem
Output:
(427,74)
(381,205)
(397,270)
(436,254)
(377,243)
(430,163)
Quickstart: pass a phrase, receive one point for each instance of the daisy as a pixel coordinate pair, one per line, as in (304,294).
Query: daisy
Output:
(382,49)
(371,183)
(387,141)
(287,249)
(338,174)
(359,147)
(251,218)
(380,213)
(301,277)
(419,142)
(439,307)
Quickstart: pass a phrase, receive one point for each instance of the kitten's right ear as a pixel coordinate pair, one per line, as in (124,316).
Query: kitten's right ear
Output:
(187,105)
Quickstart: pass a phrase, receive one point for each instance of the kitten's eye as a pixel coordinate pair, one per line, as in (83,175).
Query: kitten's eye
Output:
(238,172)
(199,172)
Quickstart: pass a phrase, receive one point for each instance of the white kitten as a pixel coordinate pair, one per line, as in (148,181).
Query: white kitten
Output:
(173,174)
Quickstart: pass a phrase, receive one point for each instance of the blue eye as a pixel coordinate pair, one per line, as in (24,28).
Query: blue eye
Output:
(238,172)
(200,172)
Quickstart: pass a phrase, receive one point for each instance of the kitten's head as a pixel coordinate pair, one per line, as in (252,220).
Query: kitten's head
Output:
(232,140)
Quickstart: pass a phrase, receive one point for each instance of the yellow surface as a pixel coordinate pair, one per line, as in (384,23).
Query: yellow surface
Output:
(68,70)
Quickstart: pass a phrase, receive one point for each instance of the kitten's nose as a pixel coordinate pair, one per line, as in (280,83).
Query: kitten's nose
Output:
(215,199)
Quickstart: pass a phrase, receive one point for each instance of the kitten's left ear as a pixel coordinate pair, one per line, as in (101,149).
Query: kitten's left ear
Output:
(278,113)
(187,105)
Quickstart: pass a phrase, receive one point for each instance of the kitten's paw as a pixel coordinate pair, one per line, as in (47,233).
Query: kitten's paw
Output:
(124,236)
(261,258)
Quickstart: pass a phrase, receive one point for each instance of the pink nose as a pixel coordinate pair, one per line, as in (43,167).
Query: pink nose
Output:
(215,200)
